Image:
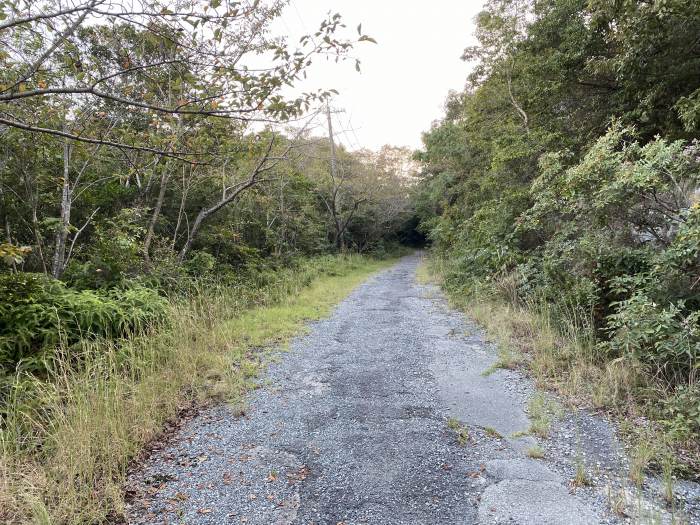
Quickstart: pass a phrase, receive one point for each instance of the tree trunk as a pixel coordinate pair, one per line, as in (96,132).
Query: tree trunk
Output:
(156,213)
(5,216)
(59,255)
(37,236)
(203,214)
(339,241)
(6,223)
(181,211)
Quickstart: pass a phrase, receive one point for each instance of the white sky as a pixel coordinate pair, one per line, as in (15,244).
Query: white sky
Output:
(405,78)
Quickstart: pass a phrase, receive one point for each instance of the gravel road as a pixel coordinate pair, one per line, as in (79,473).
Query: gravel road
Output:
(381,415)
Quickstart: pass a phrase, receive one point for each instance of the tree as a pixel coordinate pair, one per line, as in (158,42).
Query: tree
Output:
(114,57)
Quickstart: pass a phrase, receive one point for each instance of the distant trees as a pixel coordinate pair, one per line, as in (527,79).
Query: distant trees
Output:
(367,196)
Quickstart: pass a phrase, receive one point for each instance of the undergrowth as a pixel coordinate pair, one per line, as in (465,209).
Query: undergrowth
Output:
(68,436)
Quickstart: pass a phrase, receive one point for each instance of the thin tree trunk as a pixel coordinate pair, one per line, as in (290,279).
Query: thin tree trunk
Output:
(6,217)
(181,211)
(514,102)
(6,222)
(37,236)
(338,237)
(59,255)
(156,213)
(192,234)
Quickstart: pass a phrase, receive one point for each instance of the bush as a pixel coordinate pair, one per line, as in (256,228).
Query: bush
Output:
(666,338)
(113,255)
(37,313)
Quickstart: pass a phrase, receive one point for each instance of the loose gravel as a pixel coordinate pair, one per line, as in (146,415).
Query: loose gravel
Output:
(381,414)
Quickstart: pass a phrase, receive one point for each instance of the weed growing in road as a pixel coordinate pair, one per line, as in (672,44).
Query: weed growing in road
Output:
(508,359)
(460,431)
(541,411)
(535,452)
(641,456)
(669,481)
(581,478)
(492,432)
(424,272)
(617,501)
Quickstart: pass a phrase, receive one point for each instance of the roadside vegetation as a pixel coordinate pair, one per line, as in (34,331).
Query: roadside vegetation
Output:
(560,195)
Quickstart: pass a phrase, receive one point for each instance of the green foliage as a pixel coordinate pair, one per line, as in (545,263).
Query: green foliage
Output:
(114,254)
(38,313)
(667,338)
(680,412)
(12,255)
(200,263)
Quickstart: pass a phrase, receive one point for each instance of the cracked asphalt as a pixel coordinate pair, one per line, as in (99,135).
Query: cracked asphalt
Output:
(350,426)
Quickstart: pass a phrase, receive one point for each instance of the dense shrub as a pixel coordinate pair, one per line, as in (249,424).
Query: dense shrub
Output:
(112,257)
(37,313)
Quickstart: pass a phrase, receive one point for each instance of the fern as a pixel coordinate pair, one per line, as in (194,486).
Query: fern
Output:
(37,313)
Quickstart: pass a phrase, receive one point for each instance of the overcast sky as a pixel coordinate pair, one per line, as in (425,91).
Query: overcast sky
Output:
(405,77)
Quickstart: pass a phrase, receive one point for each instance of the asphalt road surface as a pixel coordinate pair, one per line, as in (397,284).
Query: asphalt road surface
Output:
(379,415)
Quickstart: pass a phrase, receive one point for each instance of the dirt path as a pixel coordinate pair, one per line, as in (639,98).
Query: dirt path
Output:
(351,426)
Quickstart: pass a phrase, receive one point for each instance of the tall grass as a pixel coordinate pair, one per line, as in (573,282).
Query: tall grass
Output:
(67,439)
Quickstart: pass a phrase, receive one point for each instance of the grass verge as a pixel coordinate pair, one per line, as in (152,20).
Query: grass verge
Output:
(66,440)
(562,356)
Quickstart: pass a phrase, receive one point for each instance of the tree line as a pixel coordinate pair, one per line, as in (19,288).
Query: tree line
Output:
(566,174)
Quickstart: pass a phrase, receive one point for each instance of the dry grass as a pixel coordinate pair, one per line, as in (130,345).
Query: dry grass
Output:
(640,458)
(67,441)
(492,432)
(565,361)
(581,478)
(424,273)
(535,452)
(562,356)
